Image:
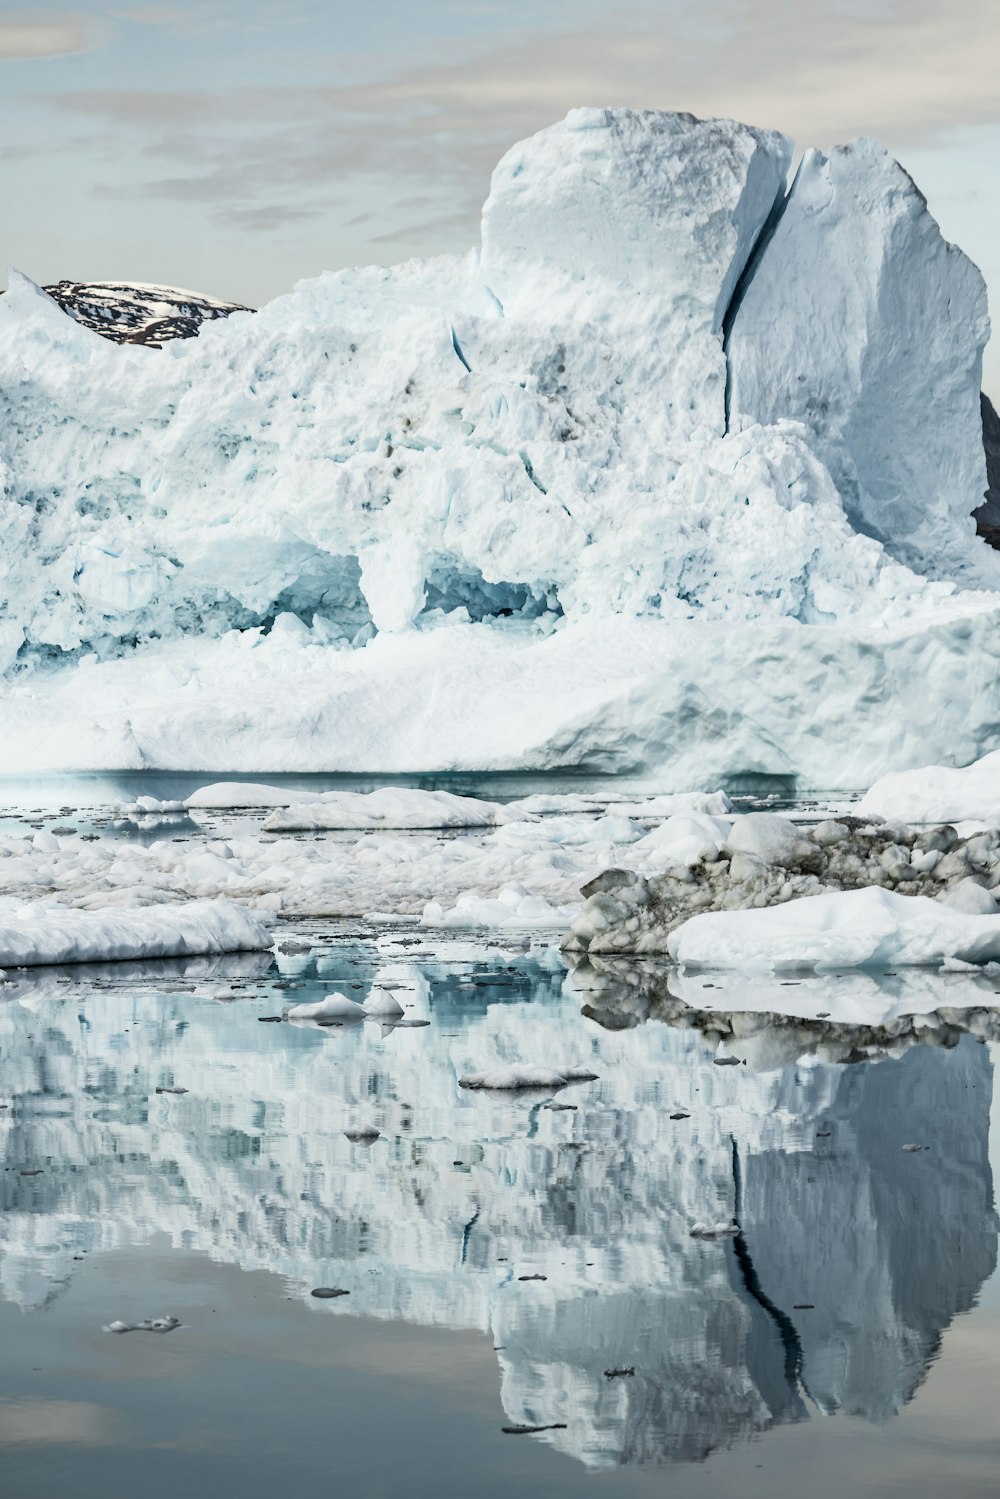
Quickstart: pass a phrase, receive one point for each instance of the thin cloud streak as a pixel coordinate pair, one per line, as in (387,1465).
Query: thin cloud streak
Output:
(903,75)
(37,37)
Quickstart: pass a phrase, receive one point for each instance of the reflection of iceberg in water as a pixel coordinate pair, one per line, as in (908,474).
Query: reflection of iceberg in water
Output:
(464,1194)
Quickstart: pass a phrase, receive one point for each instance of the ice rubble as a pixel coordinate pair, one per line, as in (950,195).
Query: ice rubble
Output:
(378,525)
(47,933)
(847,891)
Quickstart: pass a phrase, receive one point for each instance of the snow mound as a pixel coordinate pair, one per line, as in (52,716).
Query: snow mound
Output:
(54,934)
(938,793)
(379,524)
(388,807)
(846,929)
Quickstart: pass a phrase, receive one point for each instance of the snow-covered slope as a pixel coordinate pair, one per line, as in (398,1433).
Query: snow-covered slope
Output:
(496,511)
(827,1300)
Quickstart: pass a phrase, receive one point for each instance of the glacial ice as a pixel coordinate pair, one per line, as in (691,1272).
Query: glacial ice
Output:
(880,332)
(379,525)
(933,878)
(939,793)
(44,933)
(845,929)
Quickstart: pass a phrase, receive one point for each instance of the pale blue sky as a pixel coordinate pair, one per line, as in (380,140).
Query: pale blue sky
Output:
(235,146)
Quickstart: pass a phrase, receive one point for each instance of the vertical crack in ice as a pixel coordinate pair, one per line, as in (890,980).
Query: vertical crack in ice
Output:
(529,470)
(790,1341)
(467,1234)
(749,271)
(458,350)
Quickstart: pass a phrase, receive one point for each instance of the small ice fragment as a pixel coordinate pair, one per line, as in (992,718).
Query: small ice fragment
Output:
(720,1230)
(150,1324)
(382,1005)
(333,1007)
(521,1431)
(525,1076)
(912,1149)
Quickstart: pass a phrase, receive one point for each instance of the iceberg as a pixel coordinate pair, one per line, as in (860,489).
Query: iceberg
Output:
(645,483)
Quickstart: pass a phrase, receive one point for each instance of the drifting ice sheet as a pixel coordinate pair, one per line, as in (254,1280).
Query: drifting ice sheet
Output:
(849,929)
(53,934)
(938,793)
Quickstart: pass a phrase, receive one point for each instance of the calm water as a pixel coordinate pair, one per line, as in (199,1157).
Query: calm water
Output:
(505,1260)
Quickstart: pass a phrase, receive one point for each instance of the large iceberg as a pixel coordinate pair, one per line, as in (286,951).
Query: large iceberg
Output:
(564,501)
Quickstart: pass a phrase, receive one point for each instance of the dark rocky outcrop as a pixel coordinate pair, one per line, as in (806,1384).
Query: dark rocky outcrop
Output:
(131,313)
(988,515)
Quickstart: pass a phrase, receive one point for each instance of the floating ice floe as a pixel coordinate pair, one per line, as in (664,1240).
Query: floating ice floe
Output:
(939,793)
(151,1324)
(383,1004)
(513,907)
(845,929)
(389,808)
(335,1007)
(38,933)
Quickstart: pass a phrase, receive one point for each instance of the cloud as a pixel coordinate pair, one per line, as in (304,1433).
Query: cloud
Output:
(44,36)
(905,70)
(436,229)
(265,218)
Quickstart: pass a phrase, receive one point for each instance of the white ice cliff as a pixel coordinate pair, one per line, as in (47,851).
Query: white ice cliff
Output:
(676,473)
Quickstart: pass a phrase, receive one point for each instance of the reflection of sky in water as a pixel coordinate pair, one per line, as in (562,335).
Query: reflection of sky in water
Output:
(853,1255)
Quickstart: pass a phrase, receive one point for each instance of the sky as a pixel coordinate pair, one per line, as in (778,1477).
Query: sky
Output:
(237,146)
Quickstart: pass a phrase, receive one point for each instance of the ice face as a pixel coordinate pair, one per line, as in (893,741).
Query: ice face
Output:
(639,225)
(493,511)
(881,323)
